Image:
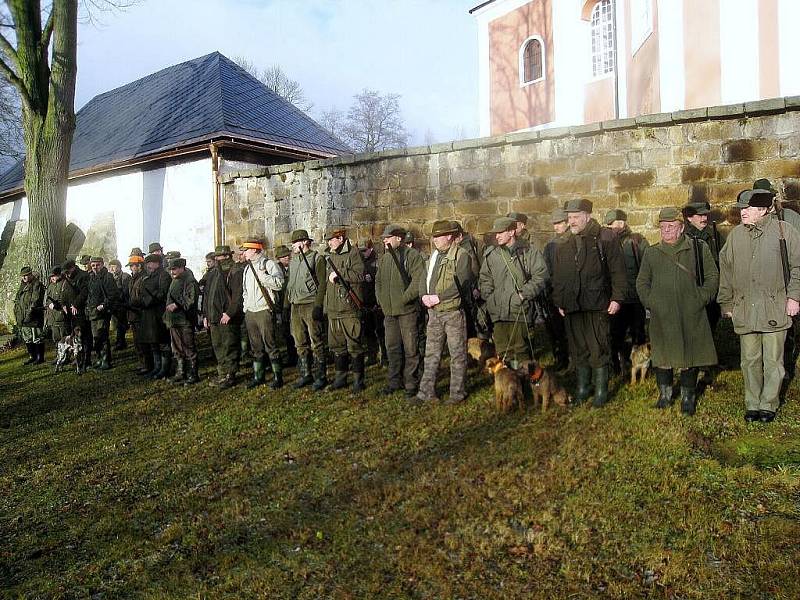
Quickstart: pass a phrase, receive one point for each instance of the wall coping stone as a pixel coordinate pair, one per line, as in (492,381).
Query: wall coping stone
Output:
(588,129)
(616,124)
(443,147)
(417,150)
(522,137)
(792,102)
(554,133)
(692,114)
(726,111)
(655,119)
(760,107)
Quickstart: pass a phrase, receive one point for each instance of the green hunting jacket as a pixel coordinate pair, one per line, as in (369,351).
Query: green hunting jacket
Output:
(633,248)
(751,276)
(679,330)
(507,272)
(80,291)
(349,262)
(149,294)
(183,291)
(223,292)
(393,296)
(102,290)
(301,288)
(135,292)
(60,295)
(29,304)
(451,275)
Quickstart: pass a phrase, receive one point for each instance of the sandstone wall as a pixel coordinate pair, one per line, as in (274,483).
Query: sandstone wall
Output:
(639,165)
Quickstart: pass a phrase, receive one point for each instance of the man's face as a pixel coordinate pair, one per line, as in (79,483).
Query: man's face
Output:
(393,240)
(443,242)
(753,214)
(158,252)
(335,243)
(96,265)
(284,260)
(560,227)
(27,278)
(577,221)
(221,257)
(114,268)
(250,253)
(670,231)
(699,221)
(136,268)
(505,238)
(617,225)
(210,262)
(297,246)
(151,267)
(176,272)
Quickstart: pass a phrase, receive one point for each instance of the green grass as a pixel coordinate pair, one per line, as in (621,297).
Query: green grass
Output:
(116,488)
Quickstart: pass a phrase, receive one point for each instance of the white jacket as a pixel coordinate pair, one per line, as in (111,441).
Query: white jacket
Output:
(271,277)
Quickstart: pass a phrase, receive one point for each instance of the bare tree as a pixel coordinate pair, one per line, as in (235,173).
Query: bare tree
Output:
(11,147)
(276,79)
(373,122)
(332,120)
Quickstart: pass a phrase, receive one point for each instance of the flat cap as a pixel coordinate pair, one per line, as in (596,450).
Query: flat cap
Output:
(558,215)
(393,229)
(114,261)
(615,214)
(764,184)
(282,251)
(222,250)
(335,231)
(172,254)
(502,224)
(97,259)
(300,235)
(136,252)
(444,227)
(519,217)
(155,247)
(669,213)
(756,198)
(177,263)
(153,258)
(578,205)
(210,256)
(25,271)
(696,208)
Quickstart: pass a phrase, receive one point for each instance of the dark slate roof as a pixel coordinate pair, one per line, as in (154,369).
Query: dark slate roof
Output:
(204,98)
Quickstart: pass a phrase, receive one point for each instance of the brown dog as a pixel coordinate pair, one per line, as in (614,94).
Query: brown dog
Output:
(640,361)
(480,351)
(507,385)
(545,388)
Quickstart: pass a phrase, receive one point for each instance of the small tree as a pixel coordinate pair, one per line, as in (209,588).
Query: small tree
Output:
(373,122)
(276,79)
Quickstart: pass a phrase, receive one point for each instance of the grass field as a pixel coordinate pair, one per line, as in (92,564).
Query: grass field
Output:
(117,488)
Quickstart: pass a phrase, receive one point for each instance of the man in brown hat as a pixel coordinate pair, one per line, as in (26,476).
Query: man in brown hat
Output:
(57,299)
(759,290)
(553,319)
(521,224)
(261,286)
(29,315)
(589,285)
(150,297)
(78,280)
(397,284)
(305,293)
(344,300)
(180,317)
(102,302)
(222,314)
(134,294)
(119,320)
(448,272)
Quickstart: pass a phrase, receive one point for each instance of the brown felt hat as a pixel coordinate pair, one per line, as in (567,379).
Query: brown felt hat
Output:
(335,231)
(444,228)
(282,251)
(25,271)
(177,263)
(502,224)
(300,235)
(755,198)
(392,229)
(154,247)
(153,258)
(519,217)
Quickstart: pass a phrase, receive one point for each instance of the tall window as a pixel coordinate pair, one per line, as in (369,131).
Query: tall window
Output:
(532,61)
(602,38)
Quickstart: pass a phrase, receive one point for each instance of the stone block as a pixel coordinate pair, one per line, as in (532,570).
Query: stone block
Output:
(532,206)
(600,182)
(726,111)
(724,193)
(697,172)
(709,152)
(507,188)
(419,213)
(742,171)
(588,129)
(633,179)
(418,150)
(552,168)
(617,124)
(654,119)
(692,114)
(522,137)
(477,208)
(554,133)
(659,197)
(777,168)
(576,185)
(749,149)
(438,148)
(656,157)
(669,175)
(466,175)
(760,107)
(790,147)
(599,163)
(473,191)
(681,155)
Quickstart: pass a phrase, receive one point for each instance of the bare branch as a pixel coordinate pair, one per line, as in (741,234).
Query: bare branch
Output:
(12,78)
(47,32)
(7,49)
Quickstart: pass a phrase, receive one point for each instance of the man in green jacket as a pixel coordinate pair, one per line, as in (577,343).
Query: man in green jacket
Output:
(120,318)
(223,314)
(676,292)
(150,297)
(180,317)
(512,275)
(343,307)
(400,270)
(102,302)
(143,352)
(759,291)
(305,293)
(29,315)
(57,299)
(78,280)
(283,255)
(448,272)
(589,285)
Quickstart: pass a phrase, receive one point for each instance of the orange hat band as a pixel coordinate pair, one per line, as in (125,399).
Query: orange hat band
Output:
(253,245)
(135,259)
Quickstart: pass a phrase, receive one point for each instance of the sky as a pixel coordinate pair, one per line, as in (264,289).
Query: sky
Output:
(426,51)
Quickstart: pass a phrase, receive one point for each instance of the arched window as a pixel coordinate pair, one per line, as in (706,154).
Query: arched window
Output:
(531,60)
(602,23)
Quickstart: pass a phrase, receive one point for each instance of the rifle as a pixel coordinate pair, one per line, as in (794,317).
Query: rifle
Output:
(264,291)
(311,271)
(403,273)
(699,270)
(350,293)
(782,241)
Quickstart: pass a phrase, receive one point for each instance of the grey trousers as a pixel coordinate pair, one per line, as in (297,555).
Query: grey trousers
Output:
(762,369)
(452,328)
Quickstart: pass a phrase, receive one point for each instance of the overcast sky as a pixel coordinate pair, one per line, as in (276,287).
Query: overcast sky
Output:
(425,50)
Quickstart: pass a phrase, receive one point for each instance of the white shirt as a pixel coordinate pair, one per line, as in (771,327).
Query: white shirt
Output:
(271,277)
(431,266)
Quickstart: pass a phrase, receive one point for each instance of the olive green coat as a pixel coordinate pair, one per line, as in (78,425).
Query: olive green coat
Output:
(183,291)
(28,304)
(103,291)
(393,296)
(350,264)
(507,271)
(300,288)
(679,331)
(751,276)
(451,276)
(149,294)
(60,295)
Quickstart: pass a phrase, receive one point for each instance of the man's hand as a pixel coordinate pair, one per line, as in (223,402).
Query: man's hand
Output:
(51,306)
(332,277)
(225,319)
(430,300)
(172,307)
(792,307)
(521,297)
(561,312)
(74,311)
(100,307)
(205,323)
(613,307)
(728,315)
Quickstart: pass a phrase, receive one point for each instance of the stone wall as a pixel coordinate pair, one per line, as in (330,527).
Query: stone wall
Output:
(639,165)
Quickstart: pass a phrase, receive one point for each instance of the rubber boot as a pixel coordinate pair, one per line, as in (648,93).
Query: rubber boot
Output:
(258,375)
(156,365)
(304,370)
(584,373)
(191,376)
(31,354)
(341,364)
(664,381)
(320,374)
(146,363)
(358,374)
(277,371)
(689,391)
(227,381)
(600,387)
(105,359)
(180,371)
(166,366)
(39,353)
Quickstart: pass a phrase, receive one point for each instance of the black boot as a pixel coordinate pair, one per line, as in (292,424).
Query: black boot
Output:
(145,363)
(600,387)
(31,354)
(584,373)
(105,358)
(358,374)
(191,376)
(277,371)
(156,366)
(39,353)
(664,381)
(320,373)
(166,366)
(304,370)
(689,391)
(341,364)
(258,375)
(180,371)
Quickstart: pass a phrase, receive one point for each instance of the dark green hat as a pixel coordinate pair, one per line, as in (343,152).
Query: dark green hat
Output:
(300,235)
(578,205)
(210,256)
(97,259)
(615,214)
(444,227)
(764,184)
(519,217)
(502,224)
(408,238)
(393,229)
(153,258)
(222,250)
(172,254)
(559,215)
(154,247)
(757,198)
(69,264)
(25,271)
(85,259)
(136,252)
(114,261)
(670,213)
(696,208)
(55,271)
(335,231)
(282,251)
(177,263)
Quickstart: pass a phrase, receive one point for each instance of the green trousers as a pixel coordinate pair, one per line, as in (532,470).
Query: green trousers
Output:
(225,339)
(512,340)
(762,369)
(344,336)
